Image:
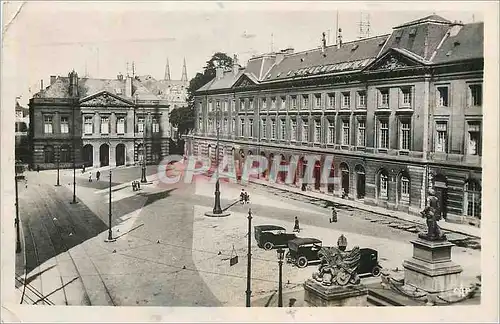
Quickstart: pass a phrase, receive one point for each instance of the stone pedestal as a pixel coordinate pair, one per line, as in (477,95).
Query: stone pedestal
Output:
(431,269)
(317,295)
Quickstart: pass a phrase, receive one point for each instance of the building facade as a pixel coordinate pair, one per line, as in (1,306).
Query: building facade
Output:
(22,122)
(399,113)
(97,122)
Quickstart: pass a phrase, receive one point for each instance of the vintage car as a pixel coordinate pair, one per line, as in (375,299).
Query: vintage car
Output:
(368,264)
(272,236)
(302,251)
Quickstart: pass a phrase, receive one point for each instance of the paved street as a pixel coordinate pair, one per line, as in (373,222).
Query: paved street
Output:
(167,253)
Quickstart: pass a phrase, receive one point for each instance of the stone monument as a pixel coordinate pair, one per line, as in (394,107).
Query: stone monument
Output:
(336,283)
(431,269)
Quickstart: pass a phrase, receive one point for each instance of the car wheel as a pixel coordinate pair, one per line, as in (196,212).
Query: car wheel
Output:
(376,271)
(302,262)
(268,246)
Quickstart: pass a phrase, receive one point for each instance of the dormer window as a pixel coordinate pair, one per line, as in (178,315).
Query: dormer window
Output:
(413,32)
(118,91)
(399,33)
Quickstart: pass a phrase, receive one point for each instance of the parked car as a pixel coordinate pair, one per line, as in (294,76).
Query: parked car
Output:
(368,264)
(269,237)
(302,251)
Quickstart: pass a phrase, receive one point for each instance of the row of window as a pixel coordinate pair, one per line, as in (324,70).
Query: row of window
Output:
(472,193)
(319,101)
(405,97)
(48,125)
(276,129)
(88,125)
(474,95)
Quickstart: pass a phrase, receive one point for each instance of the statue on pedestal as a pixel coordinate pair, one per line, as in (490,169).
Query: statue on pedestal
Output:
(338,267)
(432,215)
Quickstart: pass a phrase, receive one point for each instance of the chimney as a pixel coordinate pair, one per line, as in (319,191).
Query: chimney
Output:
(73,84)
(219,72)
(52,79)
(41,84)
(120,77)
(236,65)
(128,87)
(323,43)
(339,38)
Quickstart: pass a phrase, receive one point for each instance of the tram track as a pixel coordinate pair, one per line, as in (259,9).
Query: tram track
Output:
(87,234)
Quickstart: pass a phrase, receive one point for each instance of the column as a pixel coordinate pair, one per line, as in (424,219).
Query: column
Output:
(96,156)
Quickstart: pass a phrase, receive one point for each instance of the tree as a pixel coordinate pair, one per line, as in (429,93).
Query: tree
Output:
(202,78)
(183,117)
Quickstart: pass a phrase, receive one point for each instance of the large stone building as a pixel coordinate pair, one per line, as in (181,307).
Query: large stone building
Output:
(399,113)
(107,121)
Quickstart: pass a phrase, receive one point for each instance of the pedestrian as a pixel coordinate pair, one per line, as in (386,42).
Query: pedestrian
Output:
(98,175)
(296,227)
(83,168)
(37,168)
(334,216)
(342,242)
(243,195)
(90,177)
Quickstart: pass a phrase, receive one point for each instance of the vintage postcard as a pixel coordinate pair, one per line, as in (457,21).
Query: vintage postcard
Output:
(249,161)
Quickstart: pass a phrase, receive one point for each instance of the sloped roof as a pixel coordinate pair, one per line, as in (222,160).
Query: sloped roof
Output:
(427,19)
(467,44)
(90,86)
(414,38)
(226,82)
(350,56)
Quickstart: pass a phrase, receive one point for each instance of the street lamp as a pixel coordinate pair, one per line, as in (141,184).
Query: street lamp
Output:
(18,238)
(217,209)
(58,160)
(74,153)
(110,233)
(281,253)
(143,173)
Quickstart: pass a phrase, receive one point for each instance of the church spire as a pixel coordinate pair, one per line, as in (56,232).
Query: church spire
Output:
(167,72)
(184,72)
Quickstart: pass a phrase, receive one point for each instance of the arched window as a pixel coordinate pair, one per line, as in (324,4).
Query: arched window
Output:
(383,184)
(472,199)
(404,188)
(49,154)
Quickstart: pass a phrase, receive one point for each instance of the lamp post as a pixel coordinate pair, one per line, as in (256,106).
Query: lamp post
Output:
(110,233)
(249,259)
(18,238)
(217,208)
(143,173)
(74,156)
(58,161)
(281,253)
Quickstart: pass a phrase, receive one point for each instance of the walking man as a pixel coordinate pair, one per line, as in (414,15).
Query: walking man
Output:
(296,227)
(334,216)
(98,175)
(90,177)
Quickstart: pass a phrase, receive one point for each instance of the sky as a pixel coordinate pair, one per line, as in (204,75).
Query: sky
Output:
(99,38)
